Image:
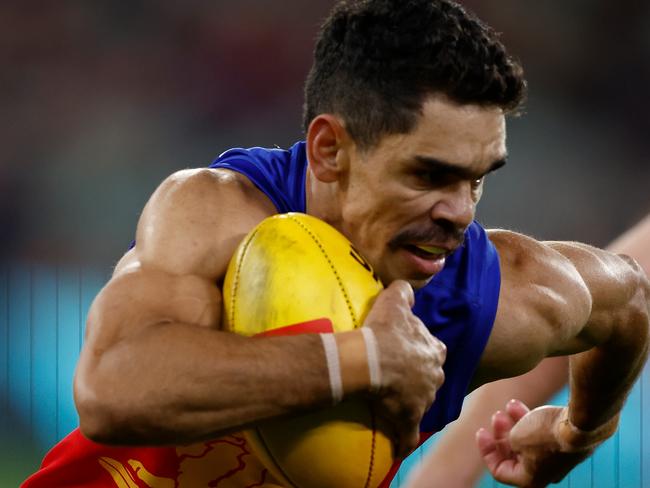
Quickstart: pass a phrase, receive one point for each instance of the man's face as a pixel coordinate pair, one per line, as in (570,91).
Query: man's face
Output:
(407,201)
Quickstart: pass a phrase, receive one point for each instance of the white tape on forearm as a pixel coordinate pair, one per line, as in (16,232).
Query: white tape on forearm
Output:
(333,366)
(372,352)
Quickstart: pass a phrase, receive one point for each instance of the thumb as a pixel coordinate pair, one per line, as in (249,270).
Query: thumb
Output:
(536,428)
(403,291)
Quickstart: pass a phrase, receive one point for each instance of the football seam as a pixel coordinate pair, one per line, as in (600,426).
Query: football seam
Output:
(235,287)
(348,303)
(331,265)
(235,284)
(273,460)
(371,466)
(356,325)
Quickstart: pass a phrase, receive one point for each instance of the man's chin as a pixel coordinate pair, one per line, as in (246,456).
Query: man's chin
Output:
(415,282)
(419,283)
(413,267)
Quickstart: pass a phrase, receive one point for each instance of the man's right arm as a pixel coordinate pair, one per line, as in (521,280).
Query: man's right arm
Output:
(155,368)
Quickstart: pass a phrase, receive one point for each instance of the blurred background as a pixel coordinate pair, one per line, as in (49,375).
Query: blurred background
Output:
(101,100)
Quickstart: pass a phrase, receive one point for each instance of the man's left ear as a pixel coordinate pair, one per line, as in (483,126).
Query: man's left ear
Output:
(327,147)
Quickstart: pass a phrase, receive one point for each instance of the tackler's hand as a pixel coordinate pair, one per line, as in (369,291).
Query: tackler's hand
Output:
(527,448)
(411,362)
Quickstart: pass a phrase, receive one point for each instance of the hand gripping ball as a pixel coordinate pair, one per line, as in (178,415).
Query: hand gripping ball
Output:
(295,269)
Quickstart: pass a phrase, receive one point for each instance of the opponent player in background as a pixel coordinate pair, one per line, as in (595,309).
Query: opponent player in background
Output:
(405,111)
(450,462)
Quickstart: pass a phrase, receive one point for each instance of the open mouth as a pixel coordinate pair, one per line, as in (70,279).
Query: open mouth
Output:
(426,252)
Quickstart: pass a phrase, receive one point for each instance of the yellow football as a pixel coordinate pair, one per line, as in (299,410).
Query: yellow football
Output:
(295,269)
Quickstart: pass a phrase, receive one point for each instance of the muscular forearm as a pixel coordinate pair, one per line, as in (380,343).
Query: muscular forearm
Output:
(602,377)
(202,387)
(635,243)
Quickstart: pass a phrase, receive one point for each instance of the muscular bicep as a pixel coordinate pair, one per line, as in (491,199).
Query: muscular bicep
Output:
(544,304)
(185,237)
(139,299)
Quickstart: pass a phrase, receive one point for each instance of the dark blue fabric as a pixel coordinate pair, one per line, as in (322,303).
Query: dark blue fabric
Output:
(279,173)
(458,306)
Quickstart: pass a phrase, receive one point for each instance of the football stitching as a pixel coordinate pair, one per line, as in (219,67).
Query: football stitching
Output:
(372,446)
(350,309)
(329,261)
(356,325)
(275,462)
(235,284)
(235,287)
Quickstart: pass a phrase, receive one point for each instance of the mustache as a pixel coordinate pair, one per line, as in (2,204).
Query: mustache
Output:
(442,233)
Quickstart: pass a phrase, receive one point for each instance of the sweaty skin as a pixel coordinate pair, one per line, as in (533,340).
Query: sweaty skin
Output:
(450,463)
(607,305)
(157,369)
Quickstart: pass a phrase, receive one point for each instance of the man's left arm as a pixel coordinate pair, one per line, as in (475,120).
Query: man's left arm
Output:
(601,377)
(562,298)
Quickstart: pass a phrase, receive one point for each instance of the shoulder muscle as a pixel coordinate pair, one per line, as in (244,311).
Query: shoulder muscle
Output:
(186,236)
(196,218)
(543,304)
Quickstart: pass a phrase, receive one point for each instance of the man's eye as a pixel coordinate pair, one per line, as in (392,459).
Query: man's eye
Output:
(429,175)
(476,183)
(433,177)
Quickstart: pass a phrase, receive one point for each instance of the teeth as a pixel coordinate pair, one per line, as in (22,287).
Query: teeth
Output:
(432,249)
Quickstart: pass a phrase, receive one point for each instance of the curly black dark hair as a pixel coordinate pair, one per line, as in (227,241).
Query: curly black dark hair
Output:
(376,60)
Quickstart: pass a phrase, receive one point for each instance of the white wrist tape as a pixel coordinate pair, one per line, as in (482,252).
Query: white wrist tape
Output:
(333,366)
(372,352)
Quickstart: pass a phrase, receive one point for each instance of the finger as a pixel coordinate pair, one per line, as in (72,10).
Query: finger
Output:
(405,291)
(504,469)
(404,434)
(511,472)
(501,426)
(536,428)
(409,441)
(516,409)
(491,448)
(441,348)
(485,442)
(487,446)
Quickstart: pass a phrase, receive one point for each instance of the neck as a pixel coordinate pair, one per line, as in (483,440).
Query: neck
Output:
(322,200)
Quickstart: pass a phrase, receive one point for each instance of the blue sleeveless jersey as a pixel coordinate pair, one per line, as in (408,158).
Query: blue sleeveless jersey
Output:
(458,305)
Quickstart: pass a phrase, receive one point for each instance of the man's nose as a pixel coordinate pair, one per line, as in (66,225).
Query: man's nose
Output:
(457,205)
